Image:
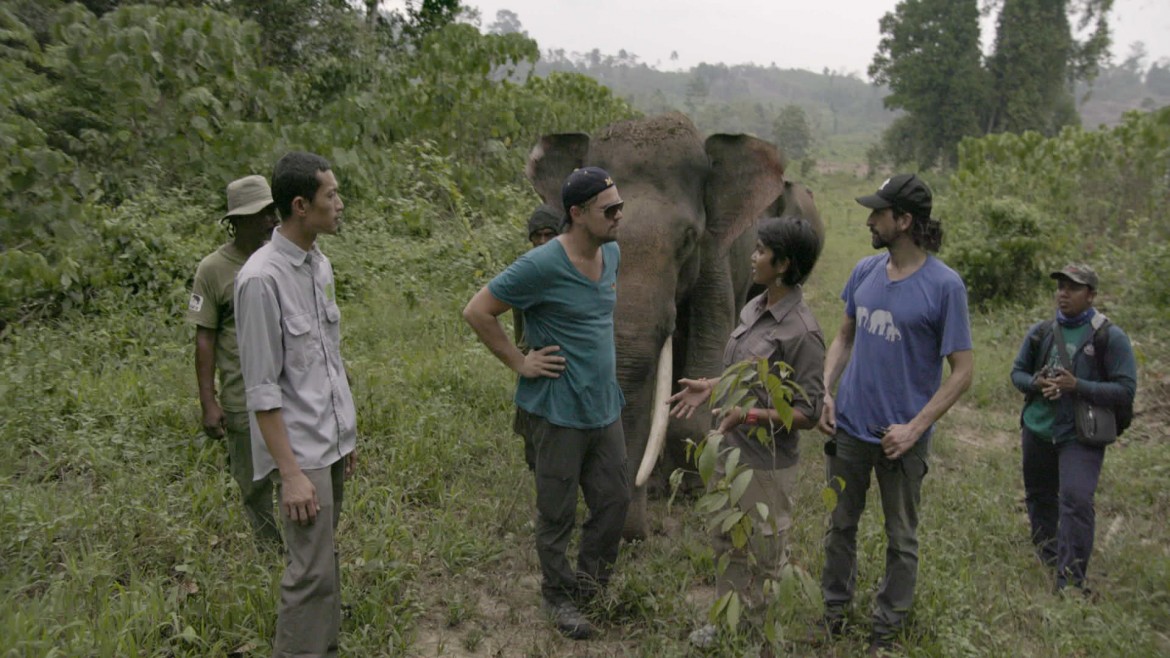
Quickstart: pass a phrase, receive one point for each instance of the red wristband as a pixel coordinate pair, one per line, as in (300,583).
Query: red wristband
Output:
(753,417)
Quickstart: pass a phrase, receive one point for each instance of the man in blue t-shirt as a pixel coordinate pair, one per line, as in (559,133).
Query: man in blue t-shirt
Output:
(905,311)
(568,385)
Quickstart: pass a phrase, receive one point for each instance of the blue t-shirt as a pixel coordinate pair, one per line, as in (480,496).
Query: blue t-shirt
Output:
(563,307)
(904,330)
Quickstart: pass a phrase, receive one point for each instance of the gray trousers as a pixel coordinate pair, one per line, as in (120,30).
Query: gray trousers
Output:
(308,619)
(595,461)
(900,486)
(256,494)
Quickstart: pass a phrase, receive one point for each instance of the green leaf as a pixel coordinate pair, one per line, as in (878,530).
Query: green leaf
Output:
(732,463)
(708,457)
(763,511)
(739,534)
(829,497)
(732,518)
(733,609)
(722,564)
(739,485)
(712,502)
(719,606)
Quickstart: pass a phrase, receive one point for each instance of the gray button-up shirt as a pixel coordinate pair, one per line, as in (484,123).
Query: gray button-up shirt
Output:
(288,328)
(785,331)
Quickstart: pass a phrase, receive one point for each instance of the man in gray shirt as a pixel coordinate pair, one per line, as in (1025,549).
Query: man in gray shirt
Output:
(304,428)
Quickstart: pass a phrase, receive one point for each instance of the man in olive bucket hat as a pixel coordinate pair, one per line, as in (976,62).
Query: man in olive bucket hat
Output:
(250,218)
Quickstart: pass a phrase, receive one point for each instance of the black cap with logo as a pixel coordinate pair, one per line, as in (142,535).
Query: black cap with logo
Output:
(906,191)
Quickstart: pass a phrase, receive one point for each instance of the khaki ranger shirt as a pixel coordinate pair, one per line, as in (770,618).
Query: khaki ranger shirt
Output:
(212,307)
(788,332)
(289,329)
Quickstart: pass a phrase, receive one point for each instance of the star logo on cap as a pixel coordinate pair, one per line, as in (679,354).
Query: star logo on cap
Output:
(608,181)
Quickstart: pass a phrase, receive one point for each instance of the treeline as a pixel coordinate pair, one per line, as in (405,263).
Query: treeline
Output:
(742,98)
(931,58)
(796,108)
(121,123)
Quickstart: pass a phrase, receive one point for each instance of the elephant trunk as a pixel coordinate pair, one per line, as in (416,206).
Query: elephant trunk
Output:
(660,418)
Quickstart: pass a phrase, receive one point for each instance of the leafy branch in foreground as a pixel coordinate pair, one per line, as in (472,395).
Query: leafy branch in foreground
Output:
(743,386)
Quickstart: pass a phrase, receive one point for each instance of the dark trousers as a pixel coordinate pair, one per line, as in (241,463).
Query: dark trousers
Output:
(900,486)
(595,461)
(1060,480)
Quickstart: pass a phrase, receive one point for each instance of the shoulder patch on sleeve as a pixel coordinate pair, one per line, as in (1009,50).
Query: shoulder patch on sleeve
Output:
(196,303)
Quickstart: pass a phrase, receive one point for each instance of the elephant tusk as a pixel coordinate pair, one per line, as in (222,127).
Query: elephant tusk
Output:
(661,417)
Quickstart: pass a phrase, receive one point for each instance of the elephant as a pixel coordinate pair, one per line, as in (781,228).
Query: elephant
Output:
(686,237)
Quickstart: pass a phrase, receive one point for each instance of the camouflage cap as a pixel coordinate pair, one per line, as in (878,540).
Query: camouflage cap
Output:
(1077,273)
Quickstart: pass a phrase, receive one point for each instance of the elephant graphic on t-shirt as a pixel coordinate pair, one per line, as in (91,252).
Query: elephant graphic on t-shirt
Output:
(879,322)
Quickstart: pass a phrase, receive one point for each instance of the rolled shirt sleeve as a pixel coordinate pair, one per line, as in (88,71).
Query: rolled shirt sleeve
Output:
(261,341)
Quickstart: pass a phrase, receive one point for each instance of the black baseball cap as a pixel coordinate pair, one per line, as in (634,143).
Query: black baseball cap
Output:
(906,191)
(584,184)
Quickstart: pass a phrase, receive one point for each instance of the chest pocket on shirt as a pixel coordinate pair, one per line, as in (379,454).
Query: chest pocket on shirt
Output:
(332,326)
(746,345)
(299,345)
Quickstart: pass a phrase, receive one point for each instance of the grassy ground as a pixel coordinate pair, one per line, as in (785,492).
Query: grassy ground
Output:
(121,535)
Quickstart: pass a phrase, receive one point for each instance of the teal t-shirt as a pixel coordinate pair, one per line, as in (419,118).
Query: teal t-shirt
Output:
(1040,413)
(563,307)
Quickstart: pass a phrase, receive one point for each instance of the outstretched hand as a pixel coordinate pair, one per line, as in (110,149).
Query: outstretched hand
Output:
(694,393)
(542,363)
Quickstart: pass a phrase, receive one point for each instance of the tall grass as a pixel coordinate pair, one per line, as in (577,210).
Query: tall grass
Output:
(121,533)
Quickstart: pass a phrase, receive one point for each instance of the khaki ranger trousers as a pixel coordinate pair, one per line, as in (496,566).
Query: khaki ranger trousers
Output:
(308,619)
(766,553)
(256,494)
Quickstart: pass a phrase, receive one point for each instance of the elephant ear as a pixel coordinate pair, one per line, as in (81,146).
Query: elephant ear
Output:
(552,160)
(797,201)
(747,175)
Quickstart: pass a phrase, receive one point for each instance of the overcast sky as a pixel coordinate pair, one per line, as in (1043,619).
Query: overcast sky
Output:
(839,34)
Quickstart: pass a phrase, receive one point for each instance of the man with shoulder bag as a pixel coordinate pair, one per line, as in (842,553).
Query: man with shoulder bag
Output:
(1079,378)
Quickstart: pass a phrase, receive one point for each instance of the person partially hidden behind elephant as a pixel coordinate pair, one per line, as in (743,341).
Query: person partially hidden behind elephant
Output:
(905,311)
(543,226)
(1061,473)
(567,290)
(777,326)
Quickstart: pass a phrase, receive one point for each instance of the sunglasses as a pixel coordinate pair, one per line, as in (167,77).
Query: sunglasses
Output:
(612,210)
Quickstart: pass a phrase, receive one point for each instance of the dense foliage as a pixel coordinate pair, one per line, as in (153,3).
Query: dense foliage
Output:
(144,101)
(1021,205)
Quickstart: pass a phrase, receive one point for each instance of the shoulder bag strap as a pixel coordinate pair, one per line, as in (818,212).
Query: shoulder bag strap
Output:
(1061,347)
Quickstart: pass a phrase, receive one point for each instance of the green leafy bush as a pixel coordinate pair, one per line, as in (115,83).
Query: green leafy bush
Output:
(1100,196)
(1001,249)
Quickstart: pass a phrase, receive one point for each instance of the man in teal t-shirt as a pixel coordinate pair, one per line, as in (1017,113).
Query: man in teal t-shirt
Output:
(567,289)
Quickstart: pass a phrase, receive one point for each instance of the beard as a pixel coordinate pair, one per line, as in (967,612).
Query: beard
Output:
(878,241)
